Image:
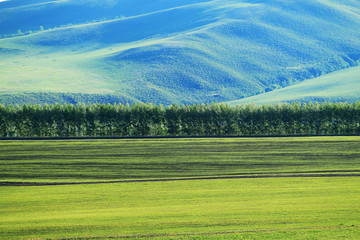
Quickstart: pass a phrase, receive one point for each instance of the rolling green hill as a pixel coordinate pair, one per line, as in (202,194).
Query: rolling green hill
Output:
(343,85)
(170,52)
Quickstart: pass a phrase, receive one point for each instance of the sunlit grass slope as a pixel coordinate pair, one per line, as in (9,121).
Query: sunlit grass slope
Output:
(343,85)
(174,51)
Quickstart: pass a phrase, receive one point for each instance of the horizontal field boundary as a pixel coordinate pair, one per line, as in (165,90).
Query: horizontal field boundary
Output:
(174,137)
(161,235)
(9,183)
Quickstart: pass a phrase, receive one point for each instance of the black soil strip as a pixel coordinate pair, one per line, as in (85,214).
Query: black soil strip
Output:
(7,183)
(175,137)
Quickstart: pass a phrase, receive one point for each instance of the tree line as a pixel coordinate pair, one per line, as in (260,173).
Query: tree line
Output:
(217,119)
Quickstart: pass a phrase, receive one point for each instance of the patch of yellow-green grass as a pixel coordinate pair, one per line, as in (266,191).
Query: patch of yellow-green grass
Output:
(49,74)
(273,208)
(77,69)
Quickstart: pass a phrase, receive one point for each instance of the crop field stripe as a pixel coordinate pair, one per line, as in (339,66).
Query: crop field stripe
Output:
(6,183)
(205,233)
(124,160)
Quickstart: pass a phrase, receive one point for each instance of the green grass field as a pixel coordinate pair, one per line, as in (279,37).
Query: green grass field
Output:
(104,160)
(324,203)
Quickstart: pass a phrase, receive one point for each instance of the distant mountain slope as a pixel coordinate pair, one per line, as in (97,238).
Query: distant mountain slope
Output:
(343,85)
(30,15)
(174,51)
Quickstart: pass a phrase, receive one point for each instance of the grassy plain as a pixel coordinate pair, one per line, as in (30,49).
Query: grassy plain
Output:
(123,159)
(274,208)
(256,208)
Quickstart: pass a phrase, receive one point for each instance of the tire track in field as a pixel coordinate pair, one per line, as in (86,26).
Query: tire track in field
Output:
(8,183)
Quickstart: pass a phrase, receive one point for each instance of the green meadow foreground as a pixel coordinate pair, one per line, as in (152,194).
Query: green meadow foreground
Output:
(316,197)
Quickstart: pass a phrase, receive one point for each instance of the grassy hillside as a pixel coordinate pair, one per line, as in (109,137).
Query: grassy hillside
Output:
(174,51)
(25,15)
(343,85)
(316,207)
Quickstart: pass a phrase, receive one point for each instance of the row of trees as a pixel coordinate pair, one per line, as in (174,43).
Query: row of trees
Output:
(42,29)
(21,33)
(215,119)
